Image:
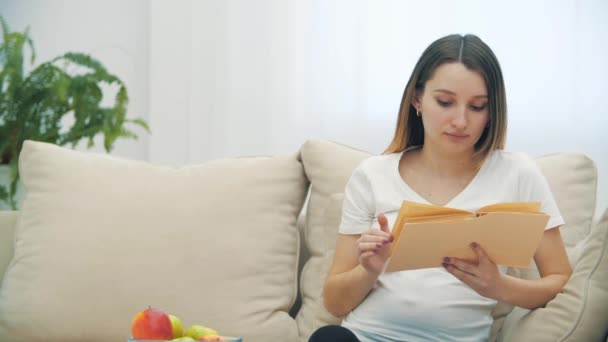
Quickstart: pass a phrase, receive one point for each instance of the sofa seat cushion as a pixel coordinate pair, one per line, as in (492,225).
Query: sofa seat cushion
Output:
(99,239)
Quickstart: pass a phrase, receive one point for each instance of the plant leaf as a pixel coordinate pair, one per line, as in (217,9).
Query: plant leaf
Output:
(3,193)
(59,101)
(140,122)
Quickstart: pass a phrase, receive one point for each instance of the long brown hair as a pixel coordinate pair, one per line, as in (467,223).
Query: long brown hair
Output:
(475,55)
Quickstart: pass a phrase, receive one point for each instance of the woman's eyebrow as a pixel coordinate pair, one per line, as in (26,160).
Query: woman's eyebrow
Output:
(452,93)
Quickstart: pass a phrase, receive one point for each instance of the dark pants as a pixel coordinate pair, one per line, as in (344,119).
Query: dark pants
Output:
(333,333)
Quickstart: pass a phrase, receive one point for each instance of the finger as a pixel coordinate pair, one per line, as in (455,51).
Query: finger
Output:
(383,222)
(368,254)
(369,246)
(377,232)
(460,274)
(374,238)
(462,265)
(482,257)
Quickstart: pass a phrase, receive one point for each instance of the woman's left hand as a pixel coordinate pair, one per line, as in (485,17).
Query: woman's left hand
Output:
(482,276)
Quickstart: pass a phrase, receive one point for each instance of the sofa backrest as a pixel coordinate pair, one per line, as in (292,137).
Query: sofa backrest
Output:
(327,166)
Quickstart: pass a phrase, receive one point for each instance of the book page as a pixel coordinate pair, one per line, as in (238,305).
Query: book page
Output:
(511,207)
(413,209)
(411,212)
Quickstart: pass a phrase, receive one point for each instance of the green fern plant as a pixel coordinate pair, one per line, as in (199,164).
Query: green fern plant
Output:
(32,106)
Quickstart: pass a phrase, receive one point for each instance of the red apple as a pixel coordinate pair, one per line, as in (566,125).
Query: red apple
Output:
(152,324)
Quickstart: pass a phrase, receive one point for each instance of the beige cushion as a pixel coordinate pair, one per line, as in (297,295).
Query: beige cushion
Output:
(100,238)
(580,312)
(573,181)
(328,166)
(8,219)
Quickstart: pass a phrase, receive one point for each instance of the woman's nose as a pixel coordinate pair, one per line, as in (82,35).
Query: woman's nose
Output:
(460,118)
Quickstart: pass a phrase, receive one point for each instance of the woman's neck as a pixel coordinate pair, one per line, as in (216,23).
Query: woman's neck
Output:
(445,164)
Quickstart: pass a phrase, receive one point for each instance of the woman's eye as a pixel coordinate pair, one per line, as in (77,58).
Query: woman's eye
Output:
(478,108)
(443,103)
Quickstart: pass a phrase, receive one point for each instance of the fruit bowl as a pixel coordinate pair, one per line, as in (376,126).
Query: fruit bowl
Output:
(154,323)
(223,339)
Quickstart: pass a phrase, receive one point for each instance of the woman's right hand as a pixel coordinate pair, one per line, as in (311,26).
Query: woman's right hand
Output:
(373,247)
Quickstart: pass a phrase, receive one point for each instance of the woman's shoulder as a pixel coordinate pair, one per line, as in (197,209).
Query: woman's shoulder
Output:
(380,163)
(514,161)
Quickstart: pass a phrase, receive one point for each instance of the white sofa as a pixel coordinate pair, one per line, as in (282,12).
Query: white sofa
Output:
(242,245)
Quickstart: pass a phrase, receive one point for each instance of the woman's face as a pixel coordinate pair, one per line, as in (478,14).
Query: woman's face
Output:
(454,108)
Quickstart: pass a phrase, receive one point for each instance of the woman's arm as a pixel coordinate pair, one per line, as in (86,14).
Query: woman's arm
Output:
(358,262)
(485,278)
(347,282)
(554,268)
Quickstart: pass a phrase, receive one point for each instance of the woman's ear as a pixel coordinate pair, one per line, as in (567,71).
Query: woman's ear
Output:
(416,100)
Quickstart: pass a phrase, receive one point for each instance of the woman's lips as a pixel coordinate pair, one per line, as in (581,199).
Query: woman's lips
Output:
(456,135)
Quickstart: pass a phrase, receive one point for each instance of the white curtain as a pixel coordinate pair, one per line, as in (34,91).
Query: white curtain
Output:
(241,77)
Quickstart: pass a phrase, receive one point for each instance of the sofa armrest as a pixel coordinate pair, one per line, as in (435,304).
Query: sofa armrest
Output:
(8,221)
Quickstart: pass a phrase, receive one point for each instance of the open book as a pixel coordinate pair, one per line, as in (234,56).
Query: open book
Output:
(424,234)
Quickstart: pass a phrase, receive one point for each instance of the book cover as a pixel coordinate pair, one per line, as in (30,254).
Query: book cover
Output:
(424,234)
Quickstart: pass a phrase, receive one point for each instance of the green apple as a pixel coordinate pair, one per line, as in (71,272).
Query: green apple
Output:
(176,325)
(185,338)
(198,331)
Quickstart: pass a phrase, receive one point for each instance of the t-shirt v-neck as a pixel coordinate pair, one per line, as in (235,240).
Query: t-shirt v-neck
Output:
(419,198)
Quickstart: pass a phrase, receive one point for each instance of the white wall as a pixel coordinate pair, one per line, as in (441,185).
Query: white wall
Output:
(260,77)
(114,32)
(241,77)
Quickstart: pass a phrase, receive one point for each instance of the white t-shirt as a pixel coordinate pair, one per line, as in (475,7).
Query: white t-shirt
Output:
(431,304)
